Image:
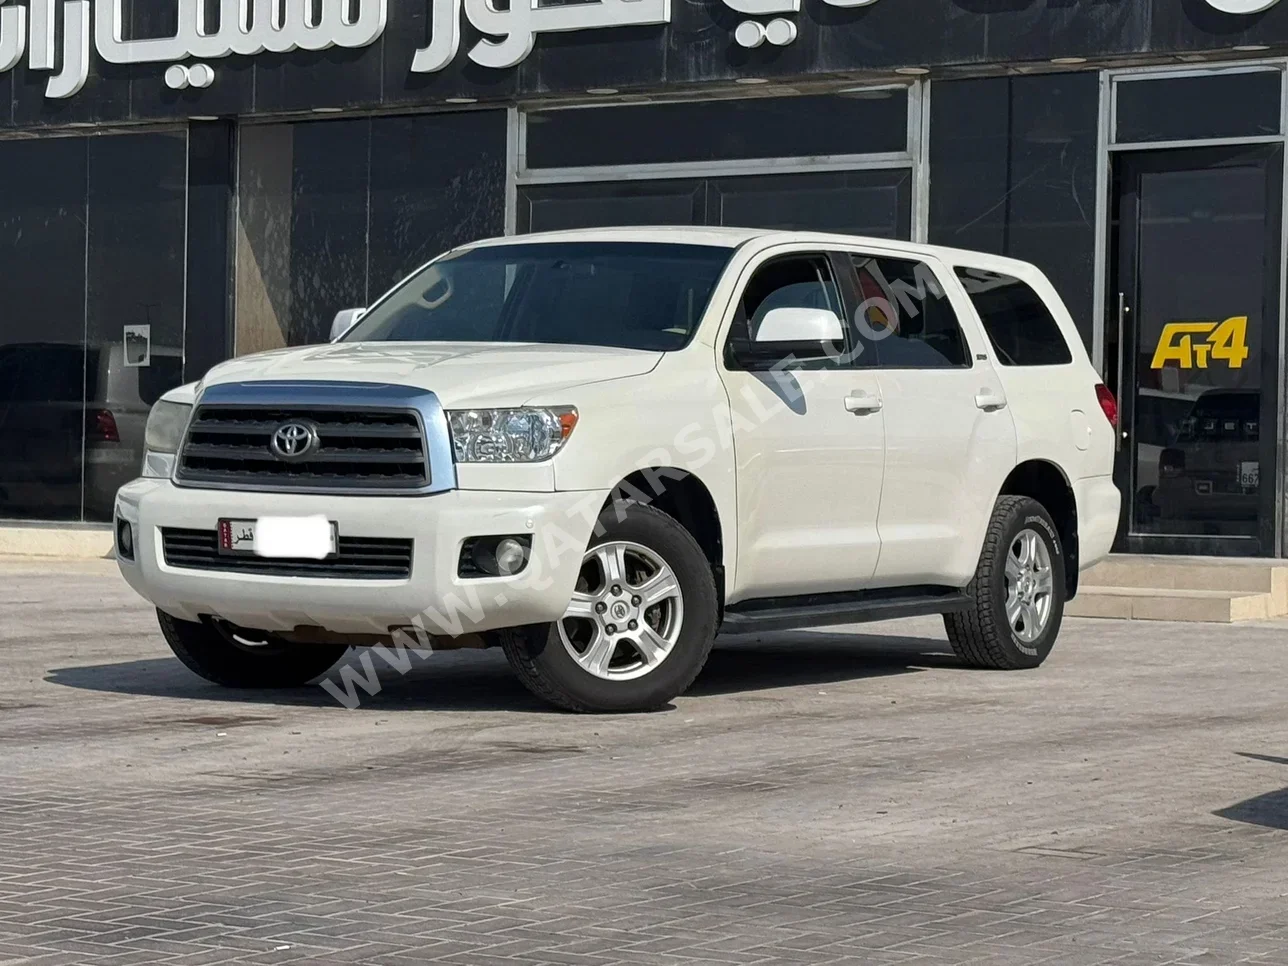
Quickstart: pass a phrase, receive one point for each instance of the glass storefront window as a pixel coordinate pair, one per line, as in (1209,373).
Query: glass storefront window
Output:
(868,121)
(1013,172)
(330,214)
(873,198)
(93,247)
(42,355)
(1221,105)
(135,301)
(875,203)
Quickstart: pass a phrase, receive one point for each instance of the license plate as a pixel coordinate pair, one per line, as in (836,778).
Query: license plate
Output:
(314,538)
(1249,475)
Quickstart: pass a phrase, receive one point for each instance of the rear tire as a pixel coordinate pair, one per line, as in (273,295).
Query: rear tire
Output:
(639,627)
(217,656)
(1018,591)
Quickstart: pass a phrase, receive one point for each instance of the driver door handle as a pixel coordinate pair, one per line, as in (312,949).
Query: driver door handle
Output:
(990,401)
(861,403)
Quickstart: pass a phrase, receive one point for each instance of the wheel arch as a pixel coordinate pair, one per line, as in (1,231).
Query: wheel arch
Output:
(683,496)
(1045,482)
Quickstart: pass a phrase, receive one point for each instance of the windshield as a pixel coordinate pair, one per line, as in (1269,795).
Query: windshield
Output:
(631,295)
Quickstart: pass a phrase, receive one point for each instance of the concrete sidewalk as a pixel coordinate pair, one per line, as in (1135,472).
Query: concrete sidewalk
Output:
(78,542)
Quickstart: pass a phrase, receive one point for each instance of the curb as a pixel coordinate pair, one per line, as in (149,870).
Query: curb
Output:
(76,543)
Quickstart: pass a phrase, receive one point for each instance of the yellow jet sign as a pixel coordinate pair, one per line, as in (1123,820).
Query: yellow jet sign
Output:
(1192,344)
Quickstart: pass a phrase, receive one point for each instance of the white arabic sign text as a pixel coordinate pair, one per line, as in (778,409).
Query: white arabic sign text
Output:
(250,27)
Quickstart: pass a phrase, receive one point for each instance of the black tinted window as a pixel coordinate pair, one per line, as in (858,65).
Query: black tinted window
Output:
(793,282)
(161,375)
(797,283)
(903,310)
(633,295)
(1019,325)
(42,372)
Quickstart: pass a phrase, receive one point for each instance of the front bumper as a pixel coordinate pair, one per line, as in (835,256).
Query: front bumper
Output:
(434,597)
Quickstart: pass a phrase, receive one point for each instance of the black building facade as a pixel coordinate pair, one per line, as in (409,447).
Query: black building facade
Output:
(184,180)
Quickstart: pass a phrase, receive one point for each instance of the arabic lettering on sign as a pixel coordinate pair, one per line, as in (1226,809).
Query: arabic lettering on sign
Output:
(250,27)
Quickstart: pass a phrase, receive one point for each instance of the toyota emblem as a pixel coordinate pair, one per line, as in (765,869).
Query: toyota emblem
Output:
(294,440)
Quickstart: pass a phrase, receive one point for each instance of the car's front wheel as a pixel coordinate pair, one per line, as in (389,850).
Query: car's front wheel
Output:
(639,626)
(222,656)
(1018,591)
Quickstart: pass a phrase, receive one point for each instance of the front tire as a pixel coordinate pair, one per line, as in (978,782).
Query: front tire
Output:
(217,655)
(638,628)
(1018,591)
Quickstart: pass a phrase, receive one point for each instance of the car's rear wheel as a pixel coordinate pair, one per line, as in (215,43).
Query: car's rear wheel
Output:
(639,626)
(1018,591)
(223,655)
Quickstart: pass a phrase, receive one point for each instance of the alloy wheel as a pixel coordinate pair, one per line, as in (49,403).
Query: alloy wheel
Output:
(1030,586)
(625,614)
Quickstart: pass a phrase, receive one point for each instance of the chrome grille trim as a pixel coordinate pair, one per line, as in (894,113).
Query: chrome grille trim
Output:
(393,414)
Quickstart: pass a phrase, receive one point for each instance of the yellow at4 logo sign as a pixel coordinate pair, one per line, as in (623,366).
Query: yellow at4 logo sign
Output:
(1194,344)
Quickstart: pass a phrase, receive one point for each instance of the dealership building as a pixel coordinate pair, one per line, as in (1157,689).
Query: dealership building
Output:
(187,180)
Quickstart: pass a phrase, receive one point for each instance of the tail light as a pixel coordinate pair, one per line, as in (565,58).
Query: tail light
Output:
(102,426)
(1171,463)
(1108,404)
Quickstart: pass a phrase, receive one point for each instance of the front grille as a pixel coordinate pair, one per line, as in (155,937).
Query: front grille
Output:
(359,558)
(359,449)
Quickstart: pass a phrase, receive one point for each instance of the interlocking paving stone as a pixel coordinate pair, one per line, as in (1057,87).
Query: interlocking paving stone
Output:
(849,796)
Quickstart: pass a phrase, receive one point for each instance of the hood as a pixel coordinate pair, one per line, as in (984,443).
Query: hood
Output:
(460,373)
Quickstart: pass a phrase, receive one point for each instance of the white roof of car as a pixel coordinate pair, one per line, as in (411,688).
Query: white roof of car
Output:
(764,237)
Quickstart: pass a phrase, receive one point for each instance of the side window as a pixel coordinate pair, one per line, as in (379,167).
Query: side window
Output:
(1019,325)
(791,282)
(904,310)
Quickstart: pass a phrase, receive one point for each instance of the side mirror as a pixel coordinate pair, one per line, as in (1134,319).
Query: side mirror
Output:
(345,320)
(790,324)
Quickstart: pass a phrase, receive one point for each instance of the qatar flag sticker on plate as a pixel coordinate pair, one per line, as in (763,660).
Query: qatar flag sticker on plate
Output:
(312,538)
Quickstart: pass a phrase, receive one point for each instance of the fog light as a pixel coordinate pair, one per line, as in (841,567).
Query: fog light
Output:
(494,556)
(510,556)
(124,539)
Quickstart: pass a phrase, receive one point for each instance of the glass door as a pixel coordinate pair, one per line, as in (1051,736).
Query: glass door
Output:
(1194,349)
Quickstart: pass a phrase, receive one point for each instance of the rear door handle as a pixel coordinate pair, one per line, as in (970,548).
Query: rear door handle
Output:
(989,401)
(863,403)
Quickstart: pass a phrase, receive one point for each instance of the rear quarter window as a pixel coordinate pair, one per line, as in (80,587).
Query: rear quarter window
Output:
(1020,327)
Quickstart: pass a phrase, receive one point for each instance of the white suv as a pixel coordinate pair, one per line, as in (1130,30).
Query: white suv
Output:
(596,449)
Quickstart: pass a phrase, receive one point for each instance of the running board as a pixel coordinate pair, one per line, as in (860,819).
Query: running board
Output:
(822,610)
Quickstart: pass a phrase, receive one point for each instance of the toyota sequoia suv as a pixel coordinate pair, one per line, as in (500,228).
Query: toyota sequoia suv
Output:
(598,449)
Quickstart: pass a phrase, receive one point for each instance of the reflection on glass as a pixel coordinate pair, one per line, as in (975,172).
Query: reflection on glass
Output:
(1195,429)
(93,295)
(42,354)
(135,304)
(1013,169)
(629,295)
(874,203)
(560,207)
(1235,104)
(856,122)
(331,213)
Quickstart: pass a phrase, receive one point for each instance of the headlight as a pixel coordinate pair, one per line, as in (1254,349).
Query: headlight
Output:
(166,423)
(509,435)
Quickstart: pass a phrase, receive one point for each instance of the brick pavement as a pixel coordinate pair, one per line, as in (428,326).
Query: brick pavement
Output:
(847,797)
